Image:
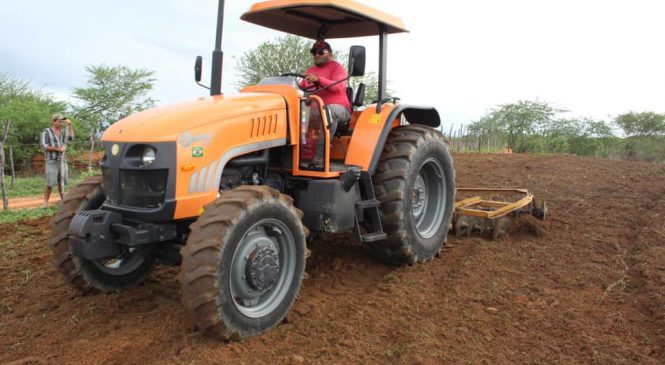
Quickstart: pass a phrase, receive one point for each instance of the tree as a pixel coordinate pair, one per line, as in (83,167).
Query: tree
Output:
(486,129)
(562,127)
(594,138)
(285,54)
(596,128)
(645,133)
(10,87)
(521,120)
(291,54)
(112,94)
(29,111)
(645,124)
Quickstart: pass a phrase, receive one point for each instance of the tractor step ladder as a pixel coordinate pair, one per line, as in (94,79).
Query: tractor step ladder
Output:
(367,212)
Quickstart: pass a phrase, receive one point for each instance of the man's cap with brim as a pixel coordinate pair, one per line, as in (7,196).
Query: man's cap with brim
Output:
(320,45)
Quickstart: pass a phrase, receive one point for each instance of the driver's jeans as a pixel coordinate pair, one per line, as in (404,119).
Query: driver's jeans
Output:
(340,116)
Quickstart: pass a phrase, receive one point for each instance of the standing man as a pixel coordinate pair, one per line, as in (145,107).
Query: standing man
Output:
(325,72)
(54,143)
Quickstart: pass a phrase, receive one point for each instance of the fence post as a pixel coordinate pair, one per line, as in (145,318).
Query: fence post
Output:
(450,136)
(92,151)
(459,136)
(11,161)
(2,164)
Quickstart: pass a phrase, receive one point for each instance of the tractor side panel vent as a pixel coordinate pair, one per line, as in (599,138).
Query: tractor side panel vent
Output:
(263,126)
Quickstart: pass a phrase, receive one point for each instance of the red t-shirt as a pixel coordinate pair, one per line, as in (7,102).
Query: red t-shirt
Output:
(327,74)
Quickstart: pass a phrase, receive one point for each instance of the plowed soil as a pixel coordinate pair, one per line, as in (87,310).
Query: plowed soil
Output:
(586,286)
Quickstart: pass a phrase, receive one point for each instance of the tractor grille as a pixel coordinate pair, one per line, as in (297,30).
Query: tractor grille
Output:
(108,183)
(143,188)
(138,188)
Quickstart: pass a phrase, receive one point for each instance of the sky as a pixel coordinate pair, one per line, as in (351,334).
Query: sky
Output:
(594,58)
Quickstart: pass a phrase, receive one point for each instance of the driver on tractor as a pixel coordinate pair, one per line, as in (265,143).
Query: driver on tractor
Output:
(325,72)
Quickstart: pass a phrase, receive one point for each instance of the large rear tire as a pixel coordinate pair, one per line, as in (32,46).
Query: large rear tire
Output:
(243,263)
(415,184)
(128,269)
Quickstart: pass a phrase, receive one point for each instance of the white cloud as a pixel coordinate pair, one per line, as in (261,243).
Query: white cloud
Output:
(595,58)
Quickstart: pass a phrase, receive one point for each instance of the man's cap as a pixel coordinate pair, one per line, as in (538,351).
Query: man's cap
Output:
(57,116)
(320,45)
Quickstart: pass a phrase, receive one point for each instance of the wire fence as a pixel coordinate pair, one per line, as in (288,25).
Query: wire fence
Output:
(461,140)
(645,148)
(29,156)
(22,165)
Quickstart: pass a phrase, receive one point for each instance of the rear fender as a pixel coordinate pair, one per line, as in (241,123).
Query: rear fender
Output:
(371,131)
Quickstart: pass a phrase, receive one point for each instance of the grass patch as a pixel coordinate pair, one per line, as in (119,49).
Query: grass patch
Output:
(11,216)
(25,186)
(34,185)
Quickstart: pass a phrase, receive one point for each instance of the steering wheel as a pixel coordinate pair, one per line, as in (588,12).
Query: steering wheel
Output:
(307,89)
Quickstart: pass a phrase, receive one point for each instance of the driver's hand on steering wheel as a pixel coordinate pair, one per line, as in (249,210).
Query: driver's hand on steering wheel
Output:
(311,78)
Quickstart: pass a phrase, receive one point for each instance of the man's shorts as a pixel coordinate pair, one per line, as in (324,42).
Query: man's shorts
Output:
(55,170)
(340,116)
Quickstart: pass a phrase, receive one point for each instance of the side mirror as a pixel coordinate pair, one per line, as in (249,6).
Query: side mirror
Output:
(357,61)
(197,68)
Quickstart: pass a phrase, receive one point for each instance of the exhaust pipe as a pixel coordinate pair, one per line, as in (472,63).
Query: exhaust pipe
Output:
(217,55)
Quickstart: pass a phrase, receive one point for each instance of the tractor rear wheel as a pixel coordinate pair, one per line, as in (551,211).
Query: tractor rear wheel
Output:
(243,262)
(131,267)
(415,184)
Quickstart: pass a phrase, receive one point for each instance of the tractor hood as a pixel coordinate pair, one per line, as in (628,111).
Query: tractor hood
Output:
(165,123)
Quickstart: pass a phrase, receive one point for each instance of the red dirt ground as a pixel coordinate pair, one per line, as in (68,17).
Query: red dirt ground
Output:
(589,288)
(31,202)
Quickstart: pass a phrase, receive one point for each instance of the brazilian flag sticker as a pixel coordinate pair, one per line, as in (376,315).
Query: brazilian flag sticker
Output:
(197,151)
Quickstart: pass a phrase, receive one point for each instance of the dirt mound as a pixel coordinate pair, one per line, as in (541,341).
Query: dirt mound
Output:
(586,286)
(528,225)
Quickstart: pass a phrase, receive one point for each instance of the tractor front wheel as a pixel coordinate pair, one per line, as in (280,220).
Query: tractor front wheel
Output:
(415,184)
(243,262)
(129,268)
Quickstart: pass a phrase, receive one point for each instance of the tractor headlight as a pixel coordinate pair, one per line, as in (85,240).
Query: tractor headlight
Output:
(148,156)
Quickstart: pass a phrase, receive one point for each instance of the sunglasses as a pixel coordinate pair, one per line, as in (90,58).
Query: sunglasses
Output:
(320,52)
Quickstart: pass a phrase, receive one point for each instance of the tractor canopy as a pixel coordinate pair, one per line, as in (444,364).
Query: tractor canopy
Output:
(321,19)
(318,19)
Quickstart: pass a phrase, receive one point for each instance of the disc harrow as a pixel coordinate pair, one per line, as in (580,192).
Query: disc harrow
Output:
(489,212)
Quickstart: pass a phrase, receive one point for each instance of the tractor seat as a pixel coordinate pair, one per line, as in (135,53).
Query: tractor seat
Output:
(356,102)
(360,96)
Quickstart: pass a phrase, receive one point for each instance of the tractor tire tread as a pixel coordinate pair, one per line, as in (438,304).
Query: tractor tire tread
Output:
(62,257)
(390,181)
(199,273)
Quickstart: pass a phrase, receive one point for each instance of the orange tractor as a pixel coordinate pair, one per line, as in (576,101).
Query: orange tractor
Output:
(230,186)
